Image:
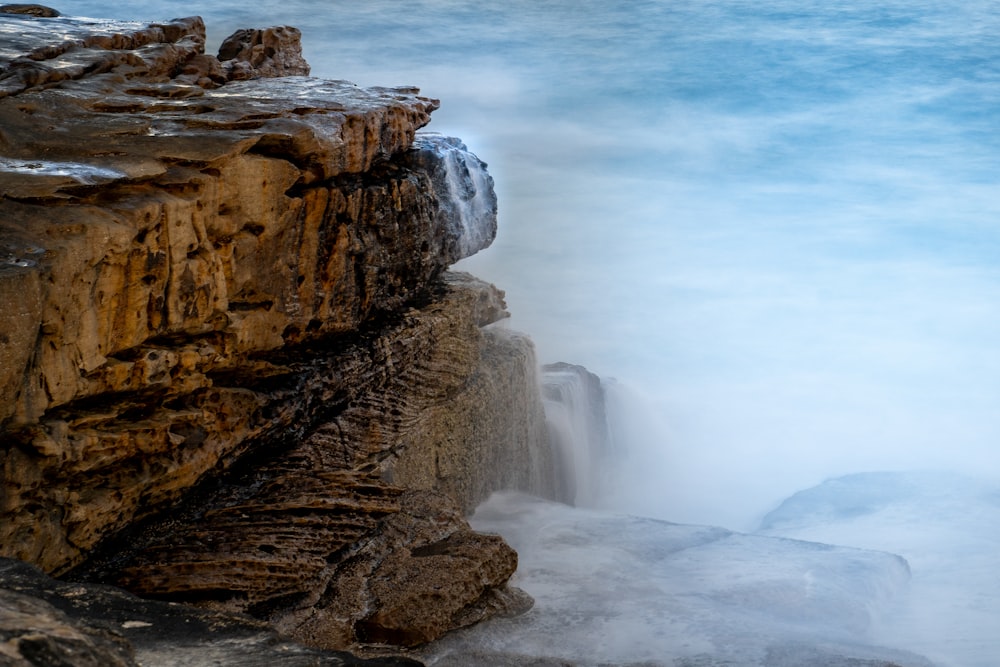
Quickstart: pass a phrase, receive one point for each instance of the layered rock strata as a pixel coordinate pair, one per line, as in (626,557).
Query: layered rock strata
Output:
(234,369)
(311,534)
(45,622)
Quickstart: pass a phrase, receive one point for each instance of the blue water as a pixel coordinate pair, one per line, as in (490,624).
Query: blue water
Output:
(774,222)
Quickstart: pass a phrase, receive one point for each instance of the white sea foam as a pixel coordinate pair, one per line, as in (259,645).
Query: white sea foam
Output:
(79,171)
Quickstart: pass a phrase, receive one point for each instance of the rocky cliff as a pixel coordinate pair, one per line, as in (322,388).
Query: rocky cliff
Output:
(235,370)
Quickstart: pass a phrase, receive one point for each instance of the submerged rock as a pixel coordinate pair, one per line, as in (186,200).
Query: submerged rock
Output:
(612,589)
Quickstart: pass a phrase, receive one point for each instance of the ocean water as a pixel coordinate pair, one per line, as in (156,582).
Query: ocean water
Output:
(774,223)
(949,610)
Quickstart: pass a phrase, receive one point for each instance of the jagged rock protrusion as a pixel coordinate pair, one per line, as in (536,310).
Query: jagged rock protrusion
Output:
(464,187)
(251,53)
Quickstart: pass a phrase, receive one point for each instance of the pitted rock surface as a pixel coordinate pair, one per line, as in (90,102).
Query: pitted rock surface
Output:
(45,622)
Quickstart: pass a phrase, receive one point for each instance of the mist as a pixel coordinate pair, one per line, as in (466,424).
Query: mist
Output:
(773,224)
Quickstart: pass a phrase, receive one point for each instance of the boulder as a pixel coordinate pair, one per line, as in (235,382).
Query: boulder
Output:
(250,53)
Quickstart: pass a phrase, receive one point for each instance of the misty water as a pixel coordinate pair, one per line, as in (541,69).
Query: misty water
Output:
(774,224)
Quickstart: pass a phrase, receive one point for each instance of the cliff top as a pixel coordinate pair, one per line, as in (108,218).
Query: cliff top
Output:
(86,102)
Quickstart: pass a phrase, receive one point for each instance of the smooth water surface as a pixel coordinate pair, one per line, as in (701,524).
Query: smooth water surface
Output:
(774,221)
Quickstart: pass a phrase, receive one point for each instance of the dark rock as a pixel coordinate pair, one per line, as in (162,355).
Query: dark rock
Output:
(35,632)
(48,623)
(30,10)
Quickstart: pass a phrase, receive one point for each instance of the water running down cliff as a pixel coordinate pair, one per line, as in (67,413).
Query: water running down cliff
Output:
(466,191)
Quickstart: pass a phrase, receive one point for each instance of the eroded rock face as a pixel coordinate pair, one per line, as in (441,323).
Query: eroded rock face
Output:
(313,537)
(234,369)
(180,235)
(252,53)
(45,622)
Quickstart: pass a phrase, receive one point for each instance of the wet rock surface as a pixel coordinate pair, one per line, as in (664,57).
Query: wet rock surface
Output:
(576,411)
(234,370)
(46,622)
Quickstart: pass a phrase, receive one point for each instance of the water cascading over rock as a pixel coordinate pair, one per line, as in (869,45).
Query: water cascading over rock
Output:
(576,413)
(464,187)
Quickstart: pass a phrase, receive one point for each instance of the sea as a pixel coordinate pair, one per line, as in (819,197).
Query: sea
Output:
(772,227)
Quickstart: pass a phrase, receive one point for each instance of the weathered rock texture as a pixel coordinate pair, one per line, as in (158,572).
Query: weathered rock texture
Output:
(45,622)
(199,275)
(314,538)
(252,54)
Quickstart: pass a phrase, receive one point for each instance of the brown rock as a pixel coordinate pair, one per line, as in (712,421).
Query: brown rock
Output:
(265,53)
(424,591)
(370,565)
(30,10)
(164,250)
(234,370)
(303,537)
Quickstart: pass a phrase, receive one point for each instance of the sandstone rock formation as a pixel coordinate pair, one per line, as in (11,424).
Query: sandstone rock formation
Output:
(45,622)
(252,54)
(234,369)
(303,536)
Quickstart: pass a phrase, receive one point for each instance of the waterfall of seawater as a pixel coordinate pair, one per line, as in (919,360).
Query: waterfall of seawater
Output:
(464,189)
(578,428)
